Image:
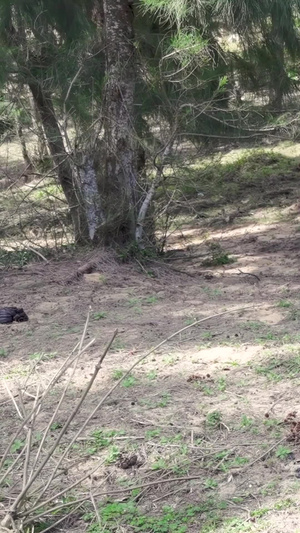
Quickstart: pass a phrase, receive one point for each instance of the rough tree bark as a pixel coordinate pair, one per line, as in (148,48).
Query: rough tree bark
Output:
(279,78)
(42,149)
(64,169)
(26,157)
(118,182)
(92,200)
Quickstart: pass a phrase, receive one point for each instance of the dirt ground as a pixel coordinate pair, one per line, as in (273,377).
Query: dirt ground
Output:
(218,402)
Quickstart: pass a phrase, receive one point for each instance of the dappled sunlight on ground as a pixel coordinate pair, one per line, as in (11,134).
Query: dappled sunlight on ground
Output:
(212,401)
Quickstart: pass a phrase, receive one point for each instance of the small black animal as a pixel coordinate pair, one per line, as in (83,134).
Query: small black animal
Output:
(12,314)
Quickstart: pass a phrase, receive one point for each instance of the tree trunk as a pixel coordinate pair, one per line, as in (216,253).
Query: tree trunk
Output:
(118,182)
(64,169)
(279,79)
(42,149)
(26,157)
(92,201)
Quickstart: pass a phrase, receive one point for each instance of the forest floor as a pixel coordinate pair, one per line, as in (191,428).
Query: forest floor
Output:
(219,403)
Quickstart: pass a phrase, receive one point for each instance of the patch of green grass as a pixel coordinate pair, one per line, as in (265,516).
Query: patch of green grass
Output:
(132,302)
(127,516)
(152,434)
(277,368)
(222,384)
(206,389)
(138,302)
(237,461)
(48,191)
(212,293)
(160,464)
(210,483)
(246,422)
(284,504)
(234,525)
(271,423)
(217,255)
(207,335)
(258,513)
(113,454)
(130,381)
(102,438)
(99,315)
(3,352)
(17,371)
(284,304)
(18,258)
(150,300)
(283,452)
(188,321)
(294,314)
(171,360)
(163,401)
(55,426)
(117,374)
(224,461)
(152,375)
(235,175)
(269,336)
(214,419)
(39,356)
(269,489)
(171,440)
(253,325)
(17,446)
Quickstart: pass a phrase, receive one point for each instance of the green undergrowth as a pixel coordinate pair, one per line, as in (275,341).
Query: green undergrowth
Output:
(257,177)
(233,179)
(129,515)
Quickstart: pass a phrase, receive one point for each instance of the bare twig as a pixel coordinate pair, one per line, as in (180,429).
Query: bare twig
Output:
(68,362)
(72,415)
(108,493)
(249,274)
(100,403)
(13,400)
(262,456)
(38,253)
(29,440)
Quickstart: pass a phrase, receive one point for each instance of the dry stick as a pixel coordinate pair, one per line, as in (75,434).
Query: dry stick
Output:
(84,331)
(29,440)
(108,493)
(171,493)
(70,487)
(52,382)
(8,471)
(37,184)
(249,274)
(51,421)
(125,375)
(37,253)
(20,395)
(13,400)
(62,396)
(63,471)
(95,509)
(97,368)
(262,456)
(23,493)
(135,364)
(62,519)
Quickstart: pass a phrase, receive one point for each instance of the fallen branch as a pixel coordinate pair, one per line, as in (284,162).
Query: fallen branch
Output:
(110,493)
